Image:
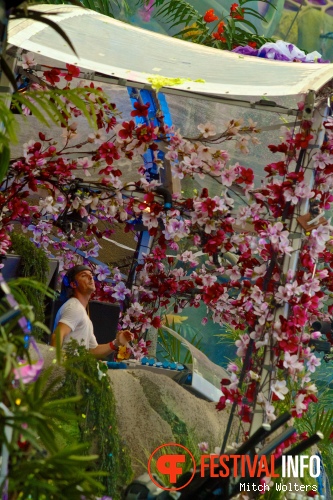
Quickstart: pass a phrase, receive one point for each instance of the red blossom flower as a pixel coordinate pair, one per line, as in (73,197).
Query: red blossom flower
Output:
(217,36)
(220,27)
(72,72)
(52,76)
(156,322)
(145,133)
(245,413)
(108,152)
(301,141)
(246,175)
(236,12)
(127,130)
(210,16)
(278,168)
(140,109)
(221,404)
(281,148)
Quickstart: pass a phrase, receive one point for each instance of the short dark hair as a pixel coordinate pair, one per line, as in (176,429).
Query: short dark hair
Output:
(71,273)
(66,290)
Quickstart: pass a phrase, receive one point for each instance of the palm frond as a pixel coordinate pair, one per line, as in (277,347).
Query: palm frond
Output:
(180,12)
(52,102)
(105,7)
(4,160)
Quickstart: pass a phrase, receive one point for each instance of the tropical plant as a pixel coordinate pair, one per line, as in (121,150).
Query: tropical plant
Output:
(48,106)
(35,463)
(34,263)
(172,349)
(96,417)
(320,418)
(224,31)
(112,8)
(8,135)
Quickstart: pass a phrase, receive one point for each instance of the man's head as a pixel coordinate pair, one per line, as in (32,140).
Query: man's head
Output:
(78,279)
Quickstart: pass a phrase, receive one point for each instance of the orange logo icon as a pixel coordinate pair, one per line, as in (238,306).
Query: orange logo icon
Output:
(171,460)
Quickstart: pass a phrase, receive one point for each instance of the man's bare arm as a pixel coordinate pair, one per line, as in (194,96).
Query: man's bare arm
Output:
(61,331)
(102,350)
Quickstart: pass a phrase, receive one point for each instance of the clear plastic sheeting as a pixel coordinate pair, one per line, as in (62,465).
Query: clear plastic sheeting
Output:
(132,55)
(188,113)
(206,375)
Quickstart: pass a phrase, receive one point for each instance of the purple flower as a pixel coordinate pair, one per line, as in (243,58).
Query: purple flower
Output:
(272,53)
(102,271)
(29,373)
(246,51)
(281,51)
(120,291)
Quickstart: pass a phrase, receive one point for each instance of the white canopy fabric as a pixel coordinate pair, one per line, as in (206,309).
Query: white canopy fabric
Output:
(132,55)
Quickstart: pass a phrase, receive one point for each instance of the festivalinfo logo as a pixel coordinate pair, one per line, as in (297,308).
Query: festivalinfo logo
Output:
(172,460)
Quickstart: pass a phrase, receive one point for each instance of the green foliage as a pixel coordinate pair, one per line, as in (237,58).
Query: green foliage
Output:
(34,264)
(41,466)
(180,12)
(50,105)
(187,466)
(8,135)
(172,349)
(229,335)
(181,433)
(96,413)
(319,418)
(105,7)
(194,28)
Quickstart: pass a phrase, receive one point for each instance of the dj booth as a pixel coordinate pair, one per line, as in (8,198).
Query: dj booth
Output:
(202,377)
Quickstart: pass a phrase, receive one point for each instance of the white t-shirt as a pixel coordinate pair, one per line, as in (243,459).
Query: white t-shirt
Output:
(73,314)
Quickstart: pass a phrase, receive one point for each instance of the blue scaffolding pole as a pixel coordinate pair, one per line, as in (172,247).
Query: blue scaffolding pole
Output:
(157,106)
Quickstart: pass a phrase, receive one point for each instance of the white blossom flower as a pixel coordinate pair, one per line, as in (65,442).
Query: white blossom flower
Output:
(279,387)
(28,60)
(207,129)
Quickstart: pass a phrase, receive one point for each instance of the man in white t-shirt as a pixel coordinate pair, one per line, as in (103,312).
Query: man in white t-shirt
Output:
(72,320)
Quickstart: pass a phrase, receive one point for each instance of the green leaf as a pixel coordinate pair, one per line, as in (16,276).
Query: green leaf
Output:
(253,13)
(178,12)
(252,26)
(8,73)
(89,3)
(62,402)
(51,109)
(4,161)
(21,99)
